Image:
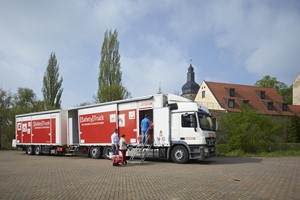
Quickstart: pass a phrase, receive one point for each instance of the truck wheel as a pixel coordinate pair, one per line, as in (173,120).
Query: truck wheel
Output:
(37,150)
(95,152)
(29,150)
(180,155)
(106,151)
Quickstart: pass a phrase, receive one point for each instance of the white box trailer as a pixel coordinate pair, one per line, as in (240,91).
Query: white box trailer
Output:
(41,132)
(182,130)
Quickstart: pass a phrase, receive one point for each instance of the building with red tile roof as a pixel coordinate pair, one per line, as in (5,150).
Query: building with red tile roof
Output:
(227,97)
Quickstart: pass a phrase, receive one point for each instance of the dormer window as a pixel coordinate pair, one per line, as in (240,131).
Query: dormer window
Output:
(231,103)
(245,102)
(231,92)
(284,107)
(270,106)
(262,94)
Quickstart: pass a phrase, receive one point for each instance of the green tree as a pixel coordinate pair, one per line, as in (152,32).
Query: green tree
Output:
(25,101)
(5,120)
(247,130)
(271,82)
(282,88)
(294,130)
(52,85)
(287,94)
(110,77)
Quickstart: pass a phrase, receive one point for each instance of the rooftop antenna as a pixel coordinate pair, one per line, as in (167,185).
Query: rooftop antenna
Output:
(159,89)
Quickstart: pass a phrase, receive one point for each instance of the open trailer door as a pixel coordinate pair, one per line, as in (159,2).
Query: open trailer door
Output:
(161,126)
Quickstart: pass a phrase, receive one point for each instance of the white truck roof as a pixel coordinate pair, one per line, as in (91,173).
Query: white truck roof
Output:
(40,113)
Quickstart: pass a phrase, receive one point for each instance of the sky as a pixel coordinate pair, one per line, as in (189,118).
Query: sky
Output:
(228,41)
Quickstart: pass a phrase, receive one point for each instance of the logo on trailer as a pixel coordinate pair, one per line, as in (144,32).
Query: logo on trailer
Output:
(19,126)
(112,118)
(41,124)
(24,127)
(122,120)
(147,104)
(91,120)
(131,115)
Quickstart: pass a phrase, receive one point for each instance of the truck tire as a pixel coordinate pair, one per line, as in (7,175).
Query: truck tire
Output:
(95,152)
(106,151)
(29,150)
(37,150)
(180,155)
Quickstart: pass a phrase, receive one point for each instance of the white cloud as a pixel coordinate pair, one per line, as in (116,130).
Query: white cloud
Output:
(162,64)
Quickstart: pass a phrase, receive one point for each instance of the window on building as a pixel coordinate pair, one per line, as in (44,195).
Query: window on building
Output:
(262,94)
(270,105)
(284,107)
(231,103)
(203,94)
(231,92)
(245,102)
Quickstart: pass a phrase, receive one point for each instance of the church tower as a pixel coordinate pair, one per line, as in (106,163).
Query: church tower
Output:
(296,90)
(190,88)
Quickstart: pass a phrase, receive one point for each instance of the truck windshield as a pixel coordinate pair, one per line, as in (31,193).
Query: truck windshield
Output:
(205,121)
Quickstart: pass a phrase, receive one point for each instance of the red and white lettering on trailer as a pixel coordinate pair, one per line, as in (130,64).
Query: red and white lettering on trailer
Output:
(44,131)
(96,128)
(37,131)
(41,128)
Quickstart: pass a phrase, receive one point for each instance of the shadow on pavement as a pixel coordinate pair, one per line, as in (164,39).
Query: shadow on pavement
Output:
(227,161)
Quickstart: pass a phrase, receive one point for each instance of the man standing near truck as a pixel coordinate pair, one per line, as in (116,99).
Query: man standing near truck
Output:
(145,124)
(115,142)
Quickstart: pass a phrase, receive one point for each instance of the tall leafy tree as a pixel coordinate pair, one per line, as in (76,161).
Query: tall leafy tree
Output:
(282,88)
(110,76)
(25,101)
(249,131)
(52,85)
(271,82)
(5,120)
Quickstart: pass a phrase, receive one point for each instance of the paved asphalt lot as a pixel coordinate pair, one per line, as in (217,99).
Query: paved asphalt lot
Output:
(78,177)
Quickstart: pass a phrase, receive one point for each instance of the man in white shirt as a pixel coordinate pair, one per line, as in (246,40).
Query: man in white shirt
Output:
(115,144)
(115,141)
